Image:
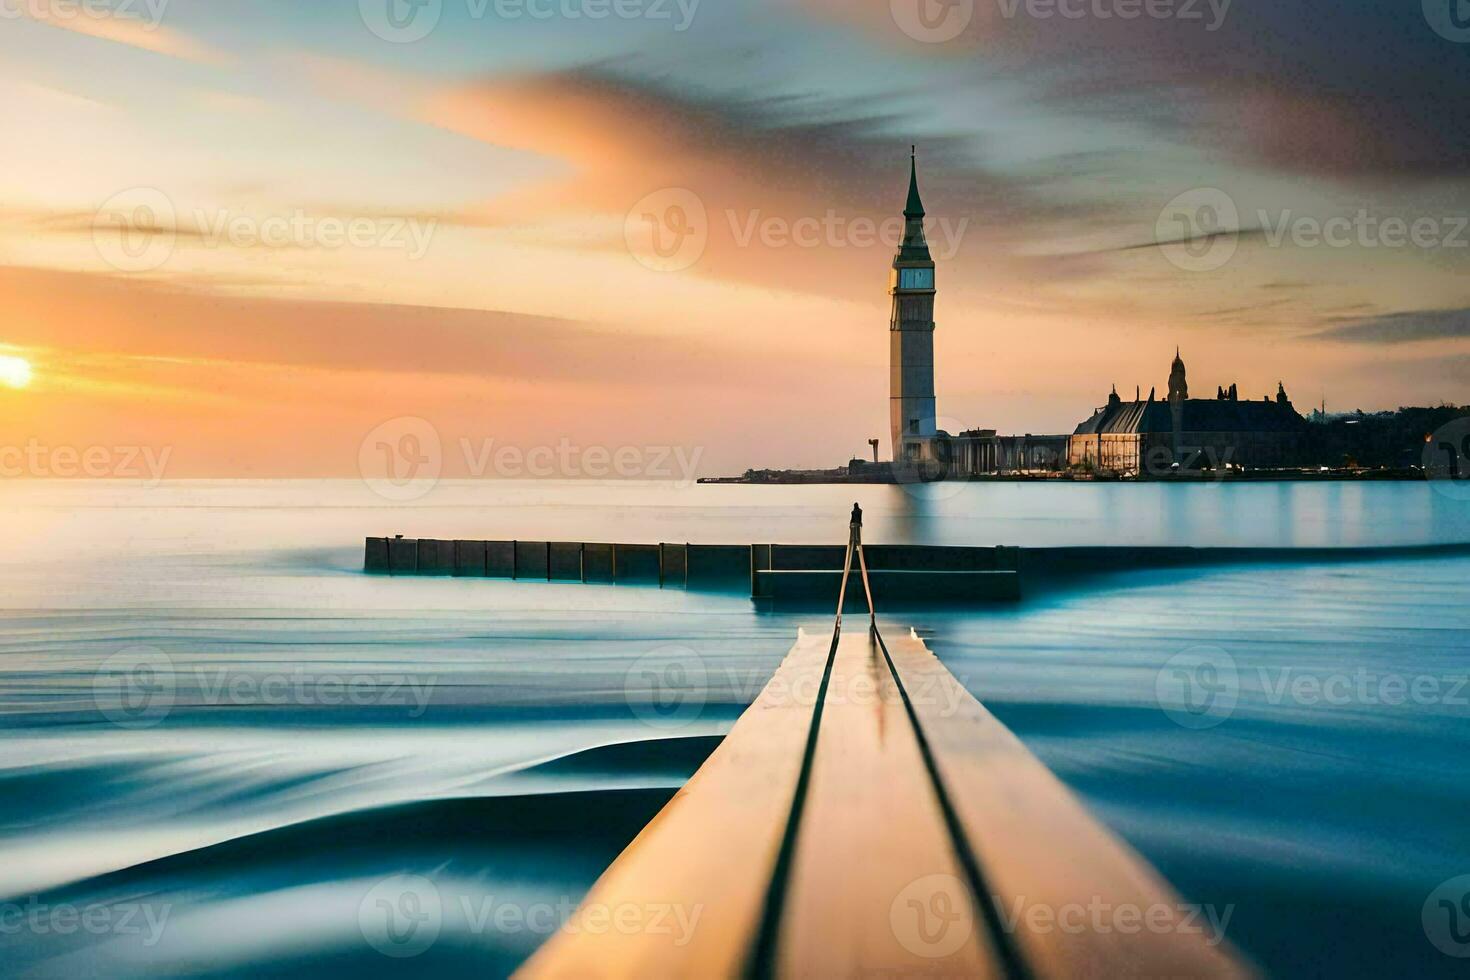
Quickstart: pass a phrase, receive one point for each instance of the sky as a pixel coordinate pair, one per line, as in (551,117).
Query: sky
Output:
(257,235)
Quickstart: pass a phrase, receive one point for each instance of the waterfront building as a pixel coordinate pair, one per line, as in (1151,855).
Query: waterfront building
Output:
(1149,436)
(1142,436)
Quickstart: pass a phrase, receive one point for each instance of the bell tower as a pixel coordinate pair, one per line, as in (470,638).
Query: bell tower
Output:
(911,407)
(1178,395)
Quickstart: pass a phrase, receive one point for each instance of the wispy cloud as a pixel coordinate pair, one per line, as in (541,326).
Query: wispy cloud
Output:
(138,318)
(1402,328)
(134,30)
(792,188)
(1349,90)
(1239,234)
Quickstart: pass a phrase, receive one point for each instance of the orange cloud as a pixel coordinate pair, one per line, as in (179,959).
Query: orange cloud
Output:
(244,385)
(794,194)
(134,31)
(141,318)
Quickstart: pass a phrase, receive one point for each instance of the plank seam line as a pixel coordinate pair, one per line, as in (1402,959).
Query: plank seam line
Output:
(1010,954)
(761,963)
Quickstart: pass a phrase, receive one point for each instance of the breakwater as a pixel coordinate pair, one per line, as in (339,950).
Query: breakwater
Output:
(900,573)
(771,571)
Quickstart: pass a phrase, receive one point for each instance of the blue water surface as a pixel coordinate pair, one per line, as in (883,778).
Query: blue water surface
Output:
(223,742)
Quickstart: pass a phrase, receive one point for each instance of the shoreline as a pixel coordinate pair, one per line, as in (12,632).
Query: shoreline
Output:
(840,477)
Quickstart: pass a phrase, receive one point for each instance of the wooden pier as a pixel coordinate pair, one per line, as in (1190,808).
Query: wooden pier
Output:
(867,817)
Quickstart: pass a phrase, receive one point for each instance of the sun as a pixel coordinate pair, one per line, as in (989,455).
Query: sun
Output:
(15,372)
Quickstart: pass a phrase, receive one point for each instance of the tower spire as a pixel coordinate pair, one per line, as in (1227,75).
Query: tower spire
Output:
(1178,385)
(914,246)
(915,207)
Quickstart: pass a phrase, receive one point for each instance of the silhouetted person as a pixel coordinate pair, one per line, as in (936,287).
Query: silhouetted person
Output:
(855,544)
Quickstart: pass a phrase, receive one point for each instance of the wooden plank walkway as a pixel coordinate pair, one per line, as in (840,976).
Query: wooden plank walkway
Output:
(866,816)
(871,825)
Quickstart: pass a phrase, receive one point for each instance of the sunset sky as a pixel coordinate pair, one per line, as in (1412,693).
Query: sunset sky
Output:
(253,230)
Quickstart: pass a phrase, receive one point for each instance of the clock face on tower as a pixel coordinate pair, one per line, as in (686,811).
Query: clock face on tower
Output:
(916,279)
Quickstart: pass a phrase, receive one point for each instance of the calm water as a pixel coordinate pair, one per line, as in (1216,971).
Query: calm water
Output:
(304,734)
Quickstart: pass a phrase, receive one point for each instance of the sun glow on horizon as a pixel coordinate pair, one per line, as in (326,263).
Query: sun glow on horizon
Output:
(15,372)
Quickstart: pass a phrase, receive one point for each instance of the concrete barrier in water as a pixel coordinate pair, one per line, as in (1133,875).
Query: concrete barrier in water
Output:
(533,559)
(770,571)
(597,564)
(500,559)
(469,559)
(899,574)
(403,556)
(637,563)
(716,565)
(565,562)
(436,557)
(375,557)
(891,588)
(673,563)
